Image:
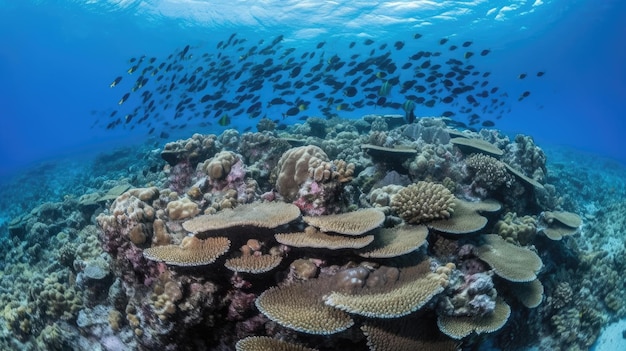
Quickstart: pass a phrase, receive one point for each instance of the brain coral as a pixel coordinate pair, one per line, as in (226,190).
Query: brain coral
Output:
(422,202)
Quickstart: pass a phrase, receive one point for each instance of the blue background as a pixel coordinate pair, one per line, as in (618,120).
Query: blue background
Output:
(57,59)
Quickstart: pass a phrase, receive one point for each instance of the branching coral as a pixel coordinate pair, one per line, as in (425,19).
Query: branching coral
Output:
(422,202)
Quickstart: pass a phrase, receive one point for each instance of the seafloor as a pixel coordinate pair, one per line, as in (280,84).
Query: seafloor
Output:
(333,234)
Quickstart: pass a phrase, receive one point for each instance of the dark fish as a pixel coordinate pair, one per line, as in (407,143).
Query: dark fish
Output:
(443,41)
(320,44)
(124,98)
(467,44)
(417,36)
(541,73)
(524,95)
(425,64)
(291,112)
(381,101)
(488,124)
(485,52)
(522,76)
(453,47)
(349,91)
(399,45)
(468,54)
(447,99)
(295,71)
(430,103)
(368,42)
(352,44)
(115,82)
(448,114)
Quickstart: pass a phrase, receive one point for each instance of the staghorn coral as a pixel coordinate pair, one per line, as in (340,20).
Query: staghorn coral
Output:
(422,202)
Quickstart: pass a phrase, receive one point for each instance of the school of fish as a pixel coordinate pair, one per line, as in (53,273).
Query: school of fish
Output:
(238,79)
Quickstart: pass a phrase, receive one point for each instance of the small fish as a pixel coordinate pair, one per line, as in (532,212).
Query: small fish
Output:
(488,124)
(468,54)
(384,89)
(224,120)
(467,44)
(398,45)
(522,76)
(443,41)
(447,99)
(124,98)
(368,42)
(350,91)
(540,73)
(132,69)
(115,82)
(409,108)
(524,95)
(417,36)
(320,45)
(291,112)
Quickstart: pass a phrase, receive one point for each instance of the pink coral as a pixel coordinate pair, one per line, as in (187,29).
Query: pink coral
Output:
(240,305)
(180,176)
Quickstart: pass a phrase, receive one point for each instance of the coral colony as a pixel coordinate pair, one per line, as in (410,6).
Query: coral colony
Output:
(377,236)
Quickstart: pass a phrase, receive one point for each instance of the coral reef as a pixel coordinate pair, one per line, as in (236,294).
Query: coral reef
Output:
(333,234)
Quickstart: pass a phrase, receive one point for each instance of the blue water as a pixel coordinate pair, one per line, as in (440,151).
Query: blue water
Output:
(57,59)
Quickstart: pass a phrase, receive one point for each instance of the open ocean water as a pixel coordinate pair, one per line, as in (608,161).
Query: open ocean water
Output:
(92,91)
